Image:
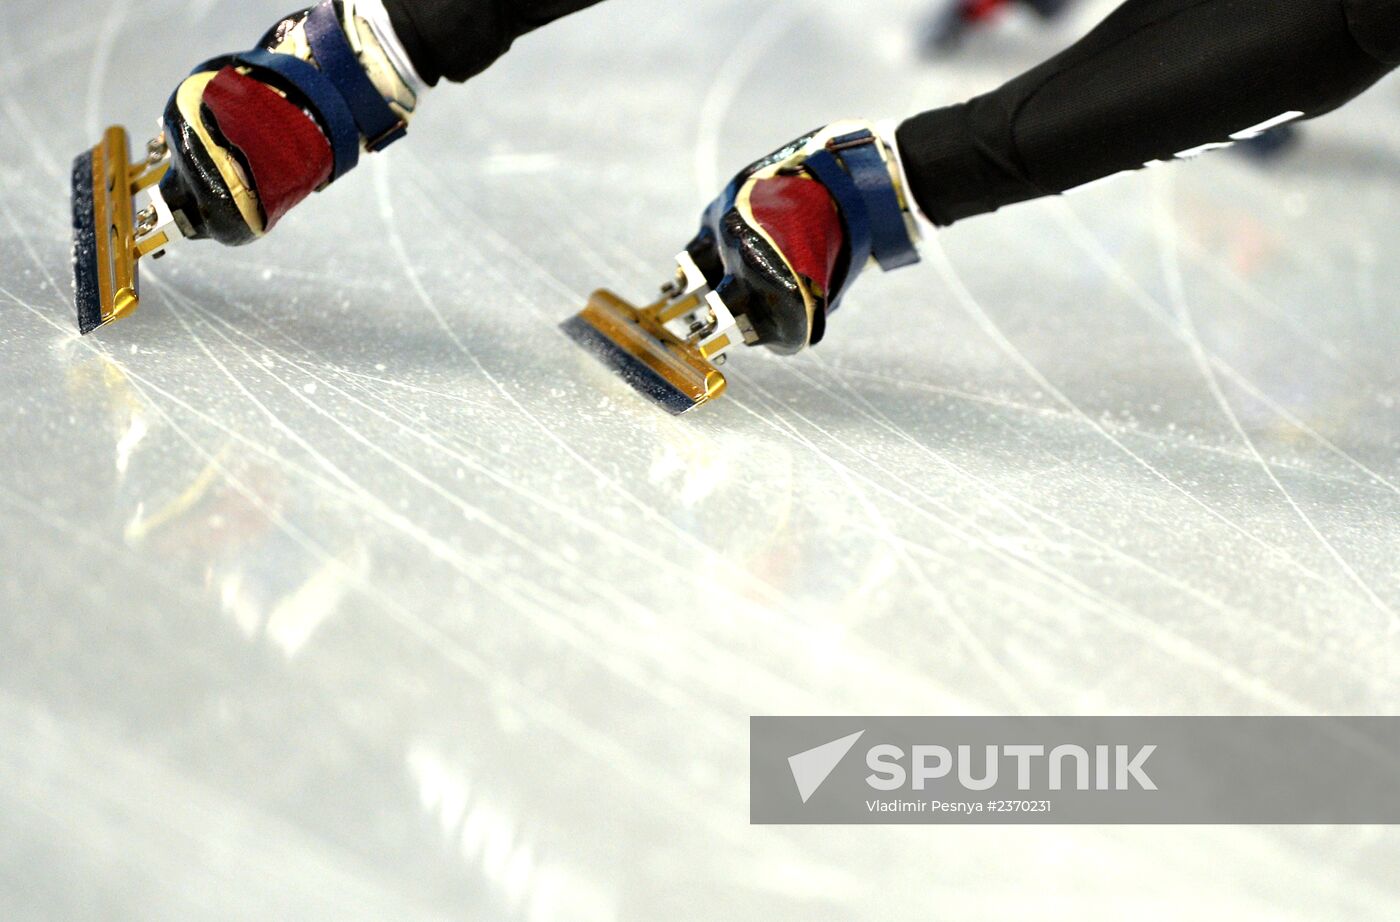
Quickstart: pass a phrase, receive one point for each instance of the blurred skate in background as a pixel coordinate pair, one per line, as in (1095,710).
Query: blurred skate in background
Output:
(960,18)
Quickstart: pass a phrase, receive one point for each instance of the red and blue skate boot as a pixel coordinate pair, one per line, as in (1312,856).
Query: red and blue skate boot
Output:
(775,255)
(244,139)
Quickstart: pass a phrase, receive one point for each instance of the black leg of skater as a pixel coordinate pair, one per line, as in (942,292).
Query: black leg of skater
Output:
(457,39)
(1158,78)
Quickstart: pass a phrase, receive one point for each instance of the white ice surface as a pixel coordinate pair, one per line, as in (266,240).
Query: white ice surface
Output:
(338,584)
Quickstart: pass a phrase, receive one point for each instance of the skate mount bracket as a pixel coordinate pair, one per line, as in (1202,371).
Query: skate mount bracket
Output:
(118,236)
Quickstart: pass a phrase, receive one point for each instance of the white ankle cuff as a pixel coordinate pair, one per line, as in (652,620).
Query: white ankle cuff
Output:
(887,130)
(373,12)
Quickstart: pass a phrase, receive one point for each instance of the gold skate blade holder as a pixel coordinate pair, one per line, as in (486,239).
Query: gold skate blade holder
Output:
(639,348)
(668,351)
(109,237)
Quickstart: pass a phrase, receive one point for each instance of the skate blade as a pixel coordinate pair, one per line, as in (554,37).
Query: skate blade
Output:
(657,364)
(105,236)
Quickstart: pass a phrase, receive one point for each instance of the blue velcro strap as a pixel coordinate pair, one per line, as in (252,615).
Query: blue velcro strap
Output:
(851,204)
(338,61)
(890,239)
(324,98)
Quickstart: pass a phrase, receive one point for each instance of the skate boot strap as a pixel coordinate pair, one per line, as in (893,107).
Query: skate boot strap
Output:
(859,180)
(378,124)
